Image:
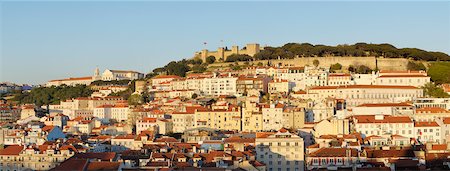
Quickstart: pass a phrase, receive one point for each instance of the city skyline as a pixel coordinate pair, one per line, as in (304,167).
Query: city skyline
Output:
(42,41)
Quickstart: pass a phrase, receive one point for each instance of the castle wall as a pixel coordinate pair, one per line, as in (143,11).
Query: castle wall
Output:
(383,63)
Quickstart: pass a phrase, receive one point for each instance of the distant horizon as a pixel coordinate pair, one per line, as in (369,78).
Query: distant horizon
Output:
(42,41)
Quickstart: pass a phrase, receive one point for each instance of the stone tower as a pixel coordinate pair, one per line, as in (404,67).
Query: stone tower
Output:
(253,49)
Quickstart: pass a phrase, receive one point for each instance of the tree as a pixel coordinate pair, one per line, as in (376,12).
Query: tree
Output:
(52,95)
(238,57)
(362,69)
(194,96)
(335,67)
(316,62)
(431,90)
(351,68)
(198,68)
(440,72)
(415,66)
(210,59)
(135,99)
(260,64)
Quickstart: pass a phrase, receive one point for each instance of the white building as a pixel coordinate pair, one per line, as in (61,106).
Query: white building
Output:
(109,75)
(159,126)
(379,125)
(428,131)
(280,151)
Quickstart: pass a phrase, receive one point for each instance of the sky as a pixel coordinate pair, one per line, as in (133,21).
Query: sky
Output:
(41,41)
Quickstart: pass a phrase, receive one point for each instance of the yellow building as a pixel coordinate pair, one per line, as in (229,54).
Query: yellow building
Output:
(223,119)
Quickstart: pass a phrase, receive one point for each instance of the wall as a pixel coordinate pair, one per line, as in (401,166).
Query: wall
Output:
(383,63)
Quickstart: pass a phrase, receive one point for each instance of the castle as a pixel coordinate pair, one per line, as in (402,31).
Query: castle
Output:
(222,53)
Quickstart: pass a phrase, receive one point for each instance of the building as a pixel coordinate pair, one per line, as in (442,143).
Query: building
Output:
(379,125)
(402,78)
(280,86)
(332,158)
(159,126)
(245,84)
(70,81)
(428,132)
(355,95)
(109,75)
(280,151)
(118,112)
(222,53)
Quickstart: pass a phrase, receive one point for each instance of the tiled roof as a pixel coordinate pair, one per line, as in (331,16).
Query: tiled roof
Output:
(11,150)
(385,105)
(386,119)
(426,124)
(102,165)
(334,152)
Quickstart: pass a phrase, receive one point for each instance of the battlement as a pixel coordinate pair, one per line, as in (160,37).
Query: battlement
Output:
(223,53)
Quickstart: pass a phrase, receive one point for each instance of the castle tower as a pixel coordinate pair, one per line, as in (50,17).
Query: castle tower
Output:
(235,50)
(204,55)
(220,53)
(253,49)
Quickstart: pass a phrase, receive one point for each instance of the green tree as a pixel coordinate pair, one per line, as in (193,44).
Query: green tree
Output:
(431,90)
(238,57)
(415,66)
(135,99)
(198,68)
(194,96)
(439,72)
(316,62)
(362,69)
(210,59)
(335,67)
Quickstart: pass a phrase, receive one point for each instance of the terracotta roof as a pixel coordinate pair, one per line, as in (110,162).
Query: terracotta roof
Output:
(390,153)
(102,165)
(396,76)
(12,150)
(48,128)
(439,147)
(73,79)
(72,164)
(426,124)
(431,110)
(166,76)
(446,120)
(264,134)
(386,119)
(334,152)
(104,156)
(166,139)
(385,105)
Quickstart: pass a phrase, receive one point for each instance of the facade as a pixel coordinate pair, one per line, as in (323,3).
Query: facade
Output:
(245,84)
(280,151)
(109,75)
(369,125)
(70,81)
(159,126)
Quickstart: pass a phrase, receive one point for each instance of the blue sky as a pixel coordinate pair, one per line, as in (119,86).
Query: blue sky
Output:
(51,40)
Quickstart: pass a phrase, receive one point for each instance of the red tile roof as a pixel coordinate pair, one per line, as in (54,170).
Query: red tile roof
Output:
(12,150)
(426,124)
(385,105)
(334,152)
(102,165)
(386,119)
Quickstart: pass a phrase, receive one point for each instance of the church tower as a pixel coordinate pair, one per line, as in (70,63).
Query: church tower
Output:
(96,74)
